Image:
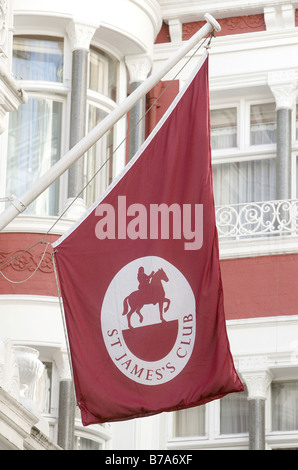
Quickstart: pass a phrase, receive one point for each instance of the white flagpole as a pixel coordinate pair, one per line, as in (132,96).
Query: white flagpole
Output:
(19,205)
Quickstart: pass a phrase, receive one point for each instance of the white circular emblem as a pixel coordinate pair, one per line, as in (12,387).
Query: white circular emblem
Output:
(148,320)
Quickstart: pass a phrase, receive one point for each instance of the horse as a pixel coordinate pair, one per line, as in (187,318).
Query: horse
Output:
(152,294)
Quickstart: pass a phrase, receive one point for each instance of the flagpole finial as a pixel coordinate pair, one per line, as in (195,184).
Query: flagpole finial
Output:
(213,22)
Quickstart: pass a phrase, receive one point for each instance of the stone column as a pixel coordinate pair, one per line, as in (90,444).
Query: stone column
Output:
(80,36)
(283,87)
(257,378)
(138,67)
(67,404)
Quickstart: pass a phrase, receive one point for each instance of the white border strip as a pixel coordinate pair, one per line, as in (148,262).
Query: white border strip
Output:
(139,152)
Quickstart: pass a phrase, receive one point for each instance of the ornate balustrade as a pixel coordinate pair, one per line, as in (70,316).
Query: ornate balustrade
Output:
(257,219)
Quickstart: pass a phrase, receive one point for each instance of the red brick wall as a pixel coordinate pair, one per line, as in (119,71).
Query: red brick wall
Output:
(260,287)
(157,102)
(253,287)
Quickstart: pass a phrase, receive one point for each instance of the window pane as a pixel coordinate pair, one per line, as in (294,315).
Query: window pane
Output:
(262,124)
(234,413)
(81,443)
(239,182)
(190,422)
(284,406)
(223,128)
(103,73)
(34,145)
(38,59)
(96,158)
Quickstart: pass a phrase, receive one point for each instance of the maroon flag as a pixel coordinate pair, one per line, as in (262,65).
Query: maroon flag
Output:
(140,278)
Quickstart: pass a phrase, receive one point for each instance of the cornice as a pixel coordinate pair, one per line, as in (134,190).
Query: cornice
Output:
(253,42)
(189,10)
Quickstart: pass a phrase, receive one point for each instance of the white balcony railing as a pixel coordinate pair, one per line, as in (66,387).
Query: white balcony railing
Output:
(257,219)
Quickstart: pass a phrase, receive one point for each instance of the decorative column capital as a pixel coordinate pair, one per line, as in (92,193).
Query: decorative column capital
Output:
(283,85)
(62,362)
(256,375)
(80,34)
(139,67)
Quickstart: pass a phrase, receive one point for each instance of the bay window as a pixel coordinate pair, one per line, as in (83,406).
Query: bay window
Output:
(37,137)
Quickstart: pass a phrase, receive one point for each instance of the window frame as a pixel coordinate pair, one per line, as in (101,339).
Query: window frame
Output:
(212,438)
(56,91)
(260,148)
(107,105)
(42,93)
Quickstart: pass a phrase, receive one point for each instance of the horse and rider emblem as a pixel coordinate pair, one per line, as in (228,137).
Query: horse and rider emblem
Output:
(150,291)
(148,320)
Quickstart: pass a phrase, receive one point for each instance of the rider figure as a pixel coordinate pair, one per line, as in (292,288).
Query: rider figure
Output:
(144,279)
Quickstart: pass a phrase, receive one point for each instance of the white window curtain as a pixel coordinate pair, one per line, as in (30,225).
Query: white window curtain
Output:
(223,128)
(263,124)
(234,413)
(103,73)
(34,145)
(190,422)
(284,396)
(244,181)
(241,182)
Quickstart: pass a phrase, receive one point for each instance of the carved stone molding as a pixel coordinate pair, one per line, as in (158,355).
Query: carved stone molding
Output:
(62,362)
(27,261)
(283,85)
(139,66)
(80,35)
(256,375)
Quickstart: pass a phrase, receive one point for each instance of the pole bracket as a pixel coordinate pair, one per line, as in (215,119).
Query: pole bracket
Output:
(17,204)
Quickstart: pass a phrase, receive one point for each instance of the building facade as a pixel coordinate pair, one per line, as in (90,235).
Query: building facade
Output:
(63,69)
